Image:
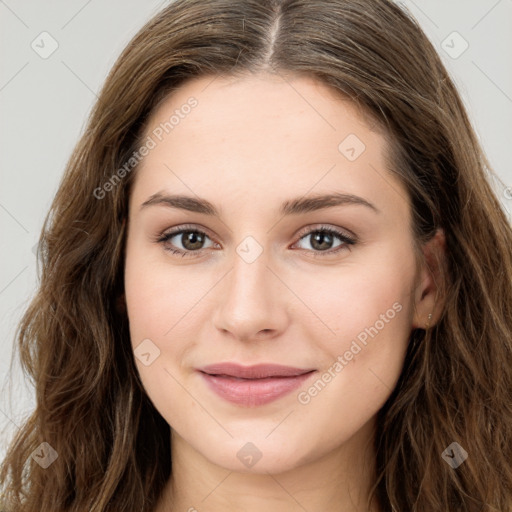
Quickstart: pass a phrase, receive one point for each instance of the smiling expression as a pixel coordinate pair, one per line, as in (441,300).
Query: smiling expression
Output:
(266,229)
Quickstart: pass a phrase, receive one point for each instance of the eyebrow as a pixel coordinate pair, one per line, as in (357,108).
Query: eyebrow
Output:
(290,207)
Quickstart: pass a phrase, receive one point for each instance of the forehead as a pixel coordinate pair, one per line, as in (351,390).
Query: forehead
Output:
(269,133)
(264,96)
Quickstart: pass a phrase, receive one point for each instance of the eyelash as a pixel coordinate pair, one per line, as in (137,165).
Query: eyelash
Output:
(347,240)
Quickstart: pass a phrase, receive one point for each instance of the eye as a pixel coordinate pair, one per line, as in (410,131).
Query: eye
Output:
(322,239)
(191,240)
(187,240)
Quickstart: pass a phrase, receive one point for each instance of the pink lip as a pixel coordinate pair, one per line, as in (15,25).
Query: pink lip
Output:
(253,385)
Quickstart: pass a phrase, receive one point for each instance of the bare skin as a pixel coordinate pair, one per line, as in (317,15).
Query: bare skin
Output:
(248,146)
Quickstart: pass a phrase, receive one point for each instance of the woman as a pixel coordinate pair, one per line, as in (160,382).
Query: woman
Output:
(194,343)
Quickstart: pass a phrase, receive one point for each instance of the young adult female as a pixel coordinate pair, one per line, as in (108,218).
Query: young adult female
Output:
(274,277)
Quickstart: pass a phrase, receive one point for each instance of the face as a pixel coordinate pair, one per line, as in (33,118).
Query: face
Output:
(267,272)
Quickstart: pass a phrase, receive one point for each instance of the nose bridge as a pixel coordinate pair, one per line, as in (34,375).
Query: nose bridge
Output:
(250,274)
(250,301)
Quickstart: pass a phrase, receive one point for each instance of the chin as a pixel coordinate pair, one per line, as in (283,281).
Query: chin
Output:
(254,455)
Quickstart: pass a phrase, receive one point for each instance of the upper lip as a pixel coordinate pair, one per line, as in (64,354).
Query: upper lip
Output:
(258,371)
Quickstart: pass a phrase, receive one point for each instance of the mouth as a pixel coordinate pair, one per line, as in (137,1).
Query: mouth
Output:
(252,386)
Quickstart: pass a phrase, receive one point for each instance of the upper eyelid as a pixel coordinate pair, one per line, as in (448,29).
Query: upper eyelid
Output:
(323,227)
(185,228)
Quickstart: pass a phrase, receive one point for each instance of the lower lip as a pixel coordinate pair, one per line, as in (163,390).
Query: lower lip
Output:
(253,392)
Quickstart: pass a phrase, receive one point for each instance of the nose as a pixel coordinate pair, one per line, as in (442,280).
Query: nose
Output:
(252,301)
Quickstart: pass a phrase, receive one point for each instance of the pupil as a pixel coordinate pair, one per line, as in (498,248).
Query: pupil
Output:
(192,238)
(320,237)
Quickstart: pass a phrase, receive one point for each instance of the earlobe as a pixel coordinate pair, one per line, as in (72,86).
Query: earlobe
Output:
(430,290)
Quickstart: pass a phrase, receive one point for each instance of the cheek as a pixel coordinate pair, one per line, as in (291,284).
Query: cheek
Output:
(349,300)
(161,313)
(363,360)
(153,309)
(366,316)
(157,298)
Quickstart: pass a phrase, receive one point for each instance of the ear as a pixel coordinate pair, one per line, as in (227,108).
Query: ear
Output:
(428,294)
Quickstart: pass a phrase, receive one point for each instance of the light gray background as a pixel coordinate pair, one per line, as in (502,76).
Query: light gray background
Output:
(44,103)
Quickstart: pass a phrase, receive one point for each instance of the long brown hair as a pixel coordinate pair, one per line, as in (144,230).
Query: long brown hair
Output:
(456,385)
